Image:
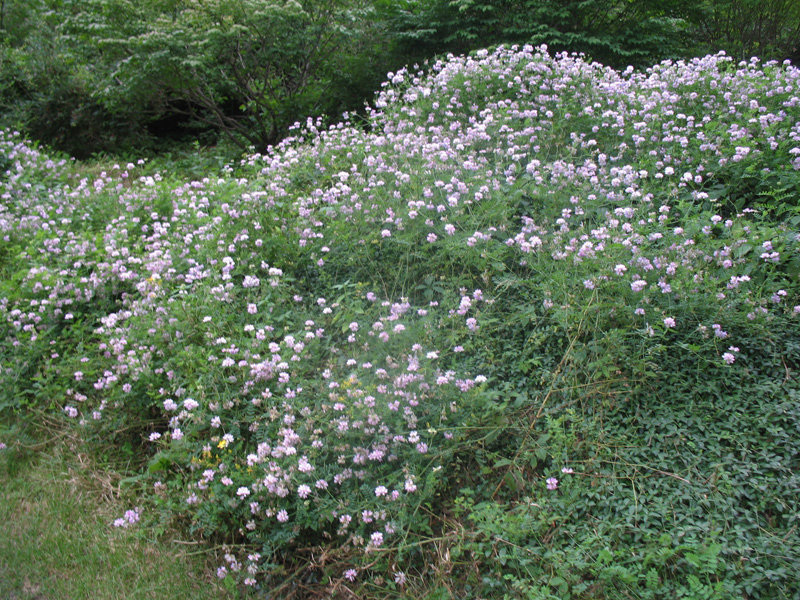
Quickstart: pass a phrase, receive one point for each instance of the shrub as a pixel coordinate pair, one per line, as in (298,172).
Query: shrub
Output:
(531,333)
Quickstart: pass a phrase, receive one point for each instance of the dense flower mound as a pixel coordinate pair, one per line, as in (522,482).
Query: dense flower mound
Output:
(334,347)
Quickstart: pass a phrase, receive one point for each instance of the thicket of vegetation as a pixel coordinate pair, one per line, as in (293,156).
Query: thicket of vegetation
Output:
(89,76)
(528,331)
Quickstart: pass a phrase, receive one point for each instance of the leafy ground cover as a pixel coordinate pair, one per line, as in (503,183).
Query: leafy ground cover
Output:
(529,331)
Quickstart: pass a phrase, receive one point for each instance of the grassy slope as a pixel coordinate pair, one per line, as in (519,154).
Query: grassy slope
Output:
(683,450)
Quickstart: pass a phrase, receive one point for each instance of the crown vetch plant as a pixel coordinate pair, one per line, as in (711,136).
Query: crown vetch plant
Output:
(398,340)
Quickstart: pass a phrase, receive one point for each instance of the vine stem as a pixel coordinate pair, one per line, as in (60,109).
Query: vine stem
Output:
(560,366)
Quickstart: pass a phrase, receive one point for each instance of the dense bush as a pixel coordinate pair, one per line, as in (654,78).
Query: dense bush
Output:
(95,76)
(614,32)
(50,90)
(106,75)
(532,333)
(745,28)
(617,33)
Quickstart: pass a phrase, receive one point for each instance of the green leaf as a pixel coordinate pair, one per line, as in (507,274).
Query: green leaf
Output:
(160,462)
(692,559)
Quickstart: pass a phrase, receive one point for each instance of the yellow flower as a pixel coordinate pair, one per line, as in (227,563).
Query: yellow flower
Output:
(222,444)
